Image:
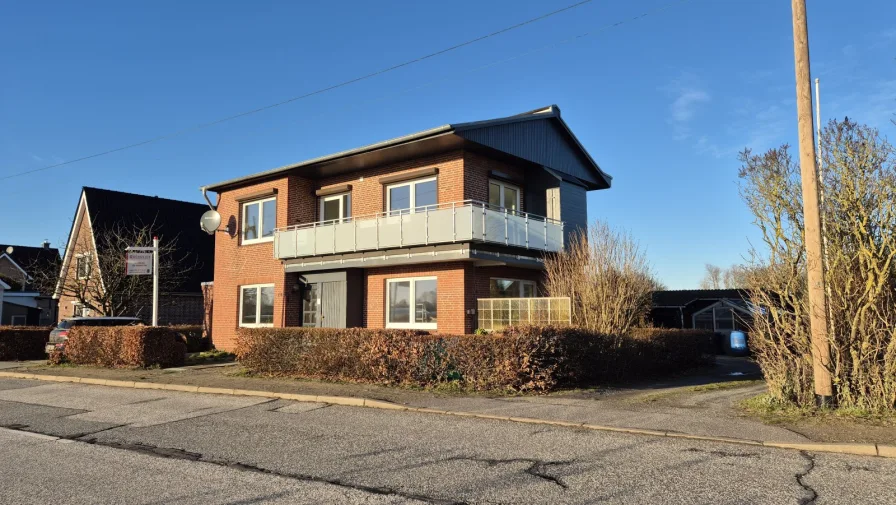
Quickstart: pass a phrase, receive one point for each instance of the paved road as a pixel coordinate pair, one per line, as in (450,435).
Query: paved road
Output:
(220,449)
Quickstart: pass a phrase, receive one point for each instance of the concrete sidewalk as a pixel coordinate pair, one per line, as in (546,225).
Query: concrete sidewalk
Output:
(670,407)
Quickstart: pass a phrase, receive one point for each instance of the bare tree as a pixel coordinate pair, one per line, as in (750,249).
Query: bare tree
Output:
(859,180)
(607,276)
(712,279)
(97,278)
(733,277)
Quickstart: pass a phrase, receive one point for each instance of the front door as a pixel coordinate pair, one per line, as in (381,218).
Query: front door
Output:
(323,304)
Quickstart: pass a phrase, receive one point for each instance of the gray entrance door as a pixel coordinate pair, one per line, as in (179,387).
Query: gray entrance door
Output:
(324,304)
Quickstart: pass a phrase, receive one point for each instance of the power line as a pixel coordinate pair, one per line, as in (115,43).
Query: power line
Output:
(596,31)
(306,95)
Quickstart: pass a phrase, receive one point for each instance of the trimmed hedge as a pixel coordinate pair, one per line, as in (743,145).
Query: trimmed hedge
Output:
(22,342)
(125,346)
(524,358)
(192,336)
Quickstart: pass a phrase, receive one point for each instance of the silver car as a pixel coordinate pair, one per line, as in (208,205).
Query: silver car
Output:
(60,332)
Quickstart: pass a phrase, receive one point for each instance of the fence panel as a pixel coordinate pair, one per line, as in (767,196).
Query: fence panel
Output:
(496,313)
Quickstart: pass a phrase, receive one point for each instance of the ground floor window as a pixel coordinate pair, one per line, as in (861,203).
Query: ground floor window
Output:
(257,305)
(511,288)
(411,303)
(18,320)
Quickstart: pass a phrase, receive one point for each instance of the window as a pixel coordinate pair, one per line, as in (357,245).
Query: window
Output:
(82,266)
(259,220)
(257,305)
(335,207)
(17,320)
(411,196)
(511,288)
(311,305)
(80,310)
(501,194)
(411,303)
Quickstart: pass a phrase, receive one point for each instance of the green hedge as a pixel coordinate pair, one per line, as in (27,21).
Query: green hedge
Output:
(125,346)
(22,342)
(525,358)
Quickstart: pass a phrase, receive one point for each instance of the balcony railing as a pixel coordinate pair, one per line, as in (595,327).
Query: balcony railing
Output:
(444,223)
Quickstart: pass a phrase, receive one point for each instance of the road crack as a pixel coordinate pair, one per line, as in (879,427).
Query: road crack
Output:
(175,453)
(537,468)
(800,479)
(725,454)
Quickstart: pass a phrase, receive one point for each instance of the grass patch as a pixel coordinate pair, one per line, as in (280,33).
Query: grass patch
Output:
(720,386)
(209,357)
(772,411)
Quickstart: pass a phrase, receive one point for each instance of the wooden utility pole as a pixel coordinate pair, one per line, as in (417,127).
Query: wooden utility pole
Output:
(821,350)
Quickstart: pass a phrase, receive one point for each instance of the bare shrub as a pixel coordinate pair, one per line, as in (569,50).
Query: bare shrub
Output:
(606,274)
(519,358)
(859,178)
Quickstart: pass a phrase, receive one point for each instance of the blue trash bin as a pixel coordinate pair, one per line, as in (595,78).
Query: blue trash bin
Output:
(737,343)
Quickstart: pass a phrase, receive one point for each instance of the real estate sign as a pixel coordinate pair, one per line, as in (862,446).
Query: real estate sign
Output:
(139,263)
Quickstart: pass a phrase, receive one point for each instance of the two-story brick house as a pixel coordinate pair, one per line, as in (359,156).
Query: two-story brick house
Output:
(406,233)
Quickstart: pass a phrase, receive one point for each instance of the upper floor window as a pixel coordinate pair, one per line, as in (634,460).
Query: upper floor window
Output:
(411,196)
(501,194)
(82,266)
(511,288)
(259,220)
(336,207)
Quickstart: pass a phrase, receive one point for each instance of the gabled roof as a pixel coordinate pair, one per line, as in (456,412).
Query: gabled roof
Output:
(27,257)
(684,297)
(107,209)
(539,136)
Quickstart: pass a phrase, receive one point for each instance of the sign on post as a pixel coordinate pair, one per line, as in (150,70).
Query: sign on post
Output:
(139,263)
(145,261)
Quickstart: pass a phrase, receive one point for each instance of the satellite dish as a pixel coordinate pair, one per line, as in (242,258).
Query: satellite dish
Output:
(9,250)
(210,222)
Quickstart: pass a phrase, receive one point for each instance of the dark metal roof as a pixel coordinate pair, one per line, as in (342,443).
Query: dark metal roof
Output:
(28,257)
(169,218)
(684,297)
(555,146)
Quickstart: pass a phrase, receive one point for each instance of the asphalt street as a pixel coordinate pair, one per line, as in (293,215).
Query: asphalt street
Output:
(112,445)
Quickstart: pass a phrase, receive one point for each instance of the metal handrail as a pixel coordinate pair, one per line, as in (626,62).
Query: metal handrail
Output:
(419,209)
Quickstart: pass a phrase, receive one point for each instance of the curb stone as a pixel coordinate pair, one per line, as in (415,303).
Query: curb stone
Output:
(884,451)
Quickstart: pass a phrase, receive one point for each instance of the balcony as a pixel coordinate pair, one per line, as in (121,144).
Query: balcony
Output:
(445,223)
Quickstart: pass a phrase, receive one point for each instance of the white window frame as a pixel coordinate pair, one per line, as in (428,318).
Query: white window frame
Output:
(412,298)
(78,258)
(256,324)
(260,203)
(413,194)
(503,185)
(343,212)
(12,320)
(521,281)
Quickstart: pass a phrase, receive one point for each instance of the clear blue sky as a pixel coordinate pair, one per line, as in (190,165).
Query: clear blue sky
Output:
(663,103)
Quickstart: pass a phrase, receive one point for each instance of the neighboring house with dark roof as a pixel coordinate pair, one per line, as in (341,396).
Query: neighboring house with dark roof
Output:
(23,302)
(719,310)
(102,214)
(406,233)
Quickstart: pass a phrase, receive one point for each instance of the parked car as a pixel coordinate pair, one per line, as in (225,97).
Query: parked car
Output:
(60,332)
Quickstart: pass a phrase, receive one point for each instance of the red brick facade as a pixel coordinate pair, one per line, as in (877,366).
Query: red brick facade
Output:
(462,175)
